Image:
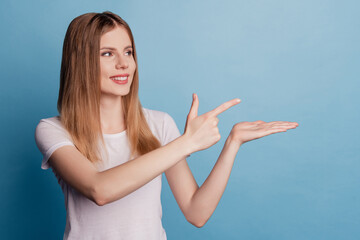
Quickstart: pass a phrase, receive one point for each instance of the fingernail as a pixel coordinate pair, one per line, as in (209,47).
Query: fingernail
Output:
(238,100)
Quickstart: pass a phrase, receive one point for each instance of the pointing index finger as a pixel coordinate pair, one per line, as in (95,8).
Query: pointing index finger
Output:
(223,107)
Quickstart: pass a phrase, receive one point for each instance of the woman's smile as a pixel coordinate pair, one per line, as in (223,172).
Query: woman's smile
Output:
(120,79)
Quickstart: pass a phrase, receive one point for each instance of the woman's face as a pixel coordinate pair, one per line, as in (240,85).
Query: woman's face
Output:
(117,63)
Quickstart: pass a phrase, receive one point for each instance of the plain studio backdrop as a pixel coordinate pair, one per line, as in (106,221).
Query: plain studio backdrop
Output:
(286,60)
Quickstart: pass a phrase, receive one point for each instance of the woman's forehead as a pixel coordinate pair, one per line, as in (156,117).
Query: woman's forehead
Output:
(116,37)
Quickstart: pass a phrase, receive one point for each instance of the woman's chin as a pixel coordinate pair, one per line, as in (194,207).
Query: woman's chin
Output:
(114,94)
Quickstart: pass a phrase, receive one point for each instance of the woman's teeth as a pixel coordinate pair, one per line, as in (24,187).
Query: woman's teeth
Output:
(119,78)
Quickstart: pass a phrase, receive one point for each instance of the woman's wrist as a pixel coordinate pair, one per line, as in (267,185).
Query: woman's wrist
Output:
(185,145)
(232,141)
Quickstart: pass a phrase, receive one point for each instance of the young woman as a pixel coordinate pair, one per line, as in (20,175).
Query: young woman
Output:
(108,152)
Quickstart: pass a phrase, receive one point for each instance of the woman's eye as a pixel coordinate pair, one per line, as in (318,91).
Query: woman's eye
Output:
(106,54)
(128,53)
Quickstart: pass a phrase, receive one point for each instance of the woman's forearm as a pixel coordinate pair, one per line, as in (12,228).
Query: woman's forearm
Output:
(120,181)
(207,197)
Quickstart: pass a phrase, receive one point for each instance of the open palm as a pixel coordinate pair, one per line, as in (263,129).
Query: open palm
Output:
(246,131)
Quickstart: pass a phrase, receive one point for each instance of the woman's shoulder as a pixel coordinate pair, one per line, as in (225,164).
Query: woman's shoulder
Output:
(53,121)
(156,115)
(49,136)
(162,125)
(50,128)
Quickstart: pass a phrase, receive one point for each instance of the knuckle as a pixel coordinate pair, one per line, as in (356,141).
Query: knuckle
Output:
(237,126)
(218,137)
(215,121)
(206,116)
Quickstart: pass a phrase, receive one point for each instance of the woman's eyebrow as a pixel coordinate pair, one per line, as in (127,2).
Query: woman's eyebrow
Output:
(111,48)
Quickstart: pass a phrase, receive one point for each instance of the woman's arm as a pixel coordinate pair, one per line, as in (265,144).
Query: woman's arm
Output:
(115,183)
(198,204)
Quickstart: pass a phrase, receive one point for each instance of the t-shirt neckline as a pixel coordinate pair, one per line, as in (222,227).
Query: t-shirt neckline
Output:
(113,135)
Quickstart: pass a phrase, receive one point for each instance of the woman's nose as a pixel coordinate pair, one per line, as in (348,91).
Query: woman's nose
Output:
(121,63)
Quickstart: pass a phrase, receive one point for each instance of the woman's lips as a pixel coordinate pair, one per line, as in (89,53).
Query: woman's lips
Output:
(120,79)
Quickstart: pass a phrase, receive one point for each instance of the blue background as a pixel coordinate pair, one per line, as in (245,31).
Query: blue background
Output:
(287,60)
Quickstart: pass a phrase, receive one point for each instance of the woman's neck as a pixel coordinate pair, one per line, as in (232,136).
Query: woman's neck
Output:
(112,117)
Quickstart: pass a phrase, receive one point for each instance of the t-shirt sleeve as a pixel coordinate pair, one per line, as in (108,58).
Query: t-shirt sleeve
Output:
(170,130)
(48,137)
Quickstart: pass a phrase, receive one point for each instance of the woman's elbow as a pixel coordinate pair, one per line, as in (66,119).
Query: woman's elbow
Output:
(197,223)
(98,196)
(103,194)
(99,201)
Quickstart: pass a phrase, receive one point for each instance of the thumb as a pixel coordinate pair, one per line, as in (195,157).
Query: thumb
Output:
(194,107)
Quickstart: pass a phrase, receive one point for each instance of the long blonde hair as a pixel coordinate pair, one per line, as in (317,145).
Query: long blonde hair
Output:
(79,93)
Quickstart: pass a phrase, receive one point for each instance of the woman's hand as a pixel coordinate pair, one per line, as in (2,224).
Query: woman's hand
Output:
(202,130)
(246,131)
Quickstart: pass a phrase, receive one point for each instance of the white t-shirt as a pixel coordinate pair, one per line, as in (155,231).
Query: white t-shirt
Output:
(136,216)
